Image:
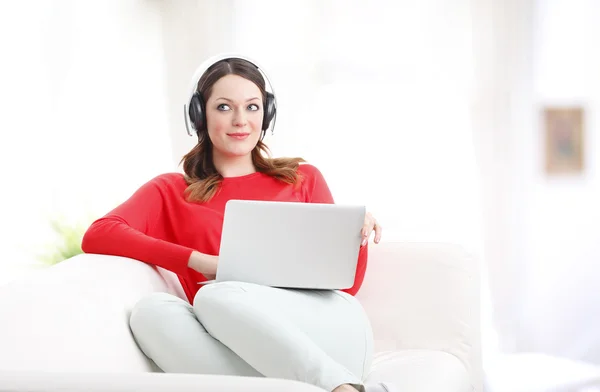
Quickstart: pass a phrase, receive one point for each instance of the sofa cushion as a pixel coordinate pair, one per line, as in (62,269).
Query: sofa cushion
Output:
(424,296)
(420,371)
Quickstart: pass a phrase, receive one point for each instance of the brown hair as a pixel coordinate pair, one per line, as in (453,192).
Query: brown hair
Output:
(200,173)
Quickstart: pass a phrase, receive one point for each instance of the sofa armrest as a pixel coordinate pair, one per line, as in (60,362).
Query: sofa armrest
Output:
(425,296)
(75,315)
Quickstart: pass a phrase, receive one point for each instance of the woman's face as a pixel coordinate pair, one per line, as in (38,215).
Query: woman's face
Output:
(234,114)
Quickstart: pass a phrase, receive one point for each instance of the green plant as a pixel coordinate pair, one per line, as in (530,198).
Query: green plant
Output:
(68,242)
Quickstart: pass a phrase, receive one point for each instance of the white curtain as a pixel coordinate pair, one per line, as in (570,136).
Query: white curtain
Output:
(502,124)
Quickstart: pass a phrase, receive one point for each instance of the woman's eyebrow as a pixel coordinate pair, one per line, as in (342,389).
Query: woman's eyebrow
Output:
(229,100)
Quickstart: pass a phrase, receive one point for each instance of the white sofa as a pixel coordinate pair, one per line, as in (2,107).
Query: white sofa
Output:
(65,328)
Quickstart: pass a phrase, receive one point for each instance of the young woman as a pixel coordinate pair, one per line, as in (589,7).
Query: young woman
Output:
(174,221)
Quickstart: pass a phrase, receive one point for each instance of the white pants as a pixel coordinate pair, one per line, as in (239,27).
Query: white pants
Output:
(319,337)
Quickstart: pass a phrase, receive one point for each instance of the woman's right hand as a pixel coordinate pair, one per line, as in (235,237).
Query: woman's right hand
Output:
(204,264)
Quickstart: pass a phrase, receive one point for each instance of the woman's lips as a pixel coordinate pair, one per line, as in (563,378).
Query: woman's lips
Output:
(238,136)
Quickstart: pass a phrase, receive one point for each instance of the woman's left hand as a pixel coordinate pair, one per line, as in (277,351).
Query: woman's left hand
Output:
(369,226)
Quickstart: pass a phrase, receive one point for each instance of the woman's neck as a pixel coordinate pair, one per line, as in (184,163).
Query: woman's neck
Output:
(234,166)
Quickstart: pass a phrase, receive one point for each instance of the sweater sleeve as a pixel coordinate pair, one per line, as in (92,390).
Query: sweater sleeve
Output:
(317,191)
(133,229)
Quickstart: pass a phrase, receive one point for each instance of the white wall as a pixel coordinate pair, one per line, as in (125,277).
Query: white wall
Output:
(561,313)
(83,119)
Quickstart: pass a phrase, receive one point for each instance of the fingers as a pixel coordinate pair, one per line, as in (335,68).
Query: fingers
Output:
(378,230)
(369,226)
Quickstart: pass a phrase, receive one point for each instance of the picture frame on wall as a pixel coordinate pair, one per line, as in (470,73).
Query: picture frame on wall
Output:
(564,134)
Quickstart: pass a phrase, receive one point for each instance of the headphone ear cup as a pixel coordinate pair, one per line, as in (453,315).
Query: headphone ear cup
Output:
(270,111)
(196,112)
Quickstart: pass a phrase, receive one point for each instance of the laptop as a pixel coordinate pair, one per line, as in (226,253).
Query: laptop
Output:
(290,244)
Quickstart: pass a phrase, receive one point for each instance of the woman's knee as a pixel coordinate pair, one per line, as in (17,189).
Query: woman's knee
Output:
(222,298)
(149,310)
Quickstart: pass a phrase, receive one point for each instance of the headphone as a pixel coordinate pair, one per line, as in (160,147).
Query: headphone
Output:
(195,112)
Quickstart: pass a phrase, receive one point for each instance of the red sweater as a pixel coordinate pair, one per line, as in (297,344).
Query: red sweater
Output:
(158,226)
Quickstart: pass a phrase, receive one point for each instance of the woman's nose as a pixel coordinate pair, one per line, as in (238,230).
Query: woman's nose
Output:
(239,119)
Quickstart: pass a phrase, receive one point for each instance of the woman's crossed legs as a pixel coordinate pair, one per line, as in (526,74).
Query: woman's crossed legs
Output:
(320,337)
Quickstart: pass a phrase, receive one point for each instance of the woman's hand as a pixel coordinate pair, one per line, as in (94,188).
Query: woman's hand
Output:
(369,226)
(203,263)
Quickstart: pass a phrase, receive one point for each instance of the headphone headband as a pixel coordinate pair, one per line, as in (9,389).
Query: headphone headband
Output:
(192,96)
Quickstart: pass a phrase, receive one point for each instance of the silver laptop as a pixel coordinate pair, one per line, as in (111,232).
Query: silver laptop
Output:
(290,244)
